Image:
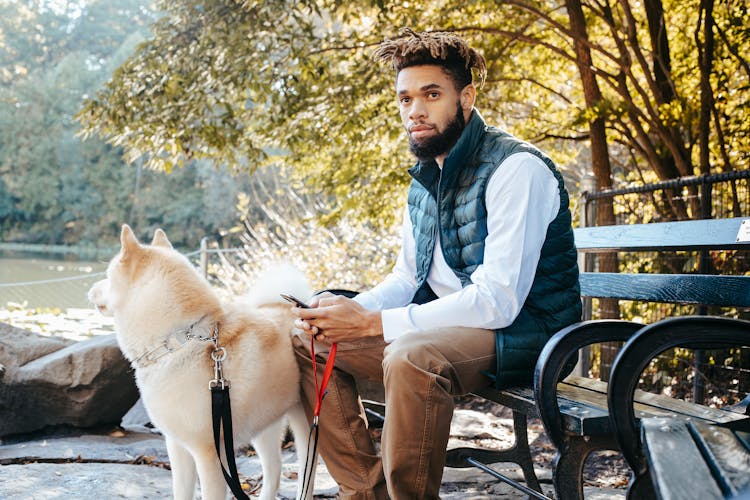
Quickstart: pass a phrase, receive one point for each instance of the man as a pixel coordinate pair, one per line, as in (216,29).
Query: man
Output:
(486,273)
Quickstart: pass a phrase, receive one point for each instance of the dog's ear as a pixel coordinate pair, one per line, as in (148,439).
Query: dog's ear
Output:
(160,239)
(128,241)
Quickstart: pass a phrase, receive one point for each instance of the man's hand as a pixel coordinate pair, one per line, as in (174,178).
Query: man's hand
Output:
(334,318)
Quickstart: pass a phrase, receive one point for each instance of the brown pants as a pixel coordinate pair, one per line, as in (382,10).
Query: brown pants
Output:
(421,374)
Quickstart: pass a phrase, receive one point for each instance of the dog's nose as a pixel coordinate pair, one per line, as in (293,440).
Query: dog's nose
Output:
(95,296)
(92,293)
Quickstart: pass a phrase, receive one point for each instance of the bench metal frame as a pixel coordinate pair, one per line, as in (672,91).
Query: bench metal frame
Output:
(695,332)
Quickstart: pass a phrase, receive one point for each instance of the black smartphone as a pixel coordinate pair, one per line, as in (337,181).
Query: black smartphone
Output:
(294,300)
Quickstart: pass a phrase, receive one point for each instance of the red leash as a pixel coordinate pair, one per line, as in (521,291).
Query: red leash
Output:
(320,393)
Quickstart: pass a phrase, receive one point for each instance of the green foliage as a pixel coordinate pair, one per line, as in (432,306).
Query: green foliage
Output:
(253,83)
(56,188)
(294,83)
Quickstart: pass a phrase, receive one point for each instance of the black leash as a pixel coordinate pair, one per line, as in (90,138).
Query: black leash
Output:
(307,476)
(221,415)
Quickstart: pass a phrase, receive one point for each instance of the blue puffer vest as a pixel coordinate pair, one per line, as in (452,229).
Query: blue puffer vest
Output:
(450,203)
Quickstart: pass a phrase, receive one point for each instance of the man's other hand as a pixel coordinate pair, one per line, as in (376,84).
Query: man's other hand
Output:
(334,318)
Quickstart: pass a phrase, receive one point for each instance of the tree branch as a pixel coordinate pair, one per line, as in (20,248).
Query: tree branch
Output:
(566,32)
(343,48)
(705,63)
(538,84)
(733,50)
(519,36)
(575,138)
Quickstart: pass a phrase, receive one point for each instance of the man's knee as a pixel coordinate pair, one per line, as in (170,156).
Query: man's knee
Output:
(407,356)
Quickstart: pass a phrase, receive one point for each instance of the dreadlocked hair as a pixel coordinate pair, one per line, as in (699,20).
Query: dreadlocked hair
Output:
(435,48)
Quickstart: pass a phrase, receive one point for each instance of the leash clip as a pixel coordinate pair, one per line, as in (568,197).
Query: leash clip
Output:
(218,355)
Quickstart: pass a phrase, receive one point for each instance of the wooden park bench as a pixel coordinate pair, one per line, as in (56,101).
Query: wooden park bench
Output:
(575,411)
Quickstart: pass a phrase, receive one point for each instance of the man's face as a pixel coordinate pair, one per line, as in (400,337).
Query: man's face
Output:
(431,110)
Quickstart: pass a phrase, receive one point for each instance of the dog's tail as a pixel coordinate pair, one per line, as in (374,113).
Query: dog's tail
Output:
(275,280)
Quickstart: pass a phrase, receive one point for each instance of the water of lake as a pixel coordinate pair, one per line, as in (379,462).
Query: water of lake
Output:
(38,282)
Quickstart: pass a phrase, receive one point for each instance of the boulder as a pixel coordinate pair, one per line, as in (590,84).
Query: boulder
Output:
(137,419)
(18,347)
(50,381)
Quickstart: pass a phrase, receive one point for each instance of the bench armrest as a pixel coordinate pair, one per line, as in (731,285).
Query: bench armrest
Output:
(697,332)
(552,361)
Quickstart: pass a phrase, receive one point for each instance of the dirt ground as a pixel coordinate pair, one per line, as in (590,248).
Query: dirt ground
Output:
(603,469)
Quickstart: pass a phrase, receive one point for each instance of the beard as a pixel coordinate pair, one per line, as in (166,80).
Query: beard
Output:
(441,143)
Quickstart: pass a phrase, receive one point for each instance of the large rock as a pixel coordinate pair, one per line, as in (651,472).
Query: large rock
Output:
(137,419)
(50,381)
(18,347)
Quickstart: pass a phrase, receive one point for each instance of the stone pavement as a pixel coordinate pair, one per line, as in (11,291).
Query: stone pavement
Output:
(132,465)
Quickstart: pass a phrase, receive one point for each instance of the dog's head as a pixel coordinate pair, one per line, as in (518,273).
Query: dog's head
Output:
(147,279)
(129,267)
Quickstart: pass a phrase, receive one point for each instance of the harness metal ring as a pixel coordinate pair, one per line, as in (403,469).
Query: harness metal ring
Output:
(219,354)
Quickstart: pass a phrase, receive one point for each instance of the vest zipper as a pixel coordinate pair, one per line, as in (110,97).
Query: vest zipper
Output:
(436,230)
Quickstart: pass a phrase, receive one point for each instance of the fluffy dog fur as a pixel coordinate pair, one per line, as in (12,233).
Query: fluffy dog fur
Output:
(152,292)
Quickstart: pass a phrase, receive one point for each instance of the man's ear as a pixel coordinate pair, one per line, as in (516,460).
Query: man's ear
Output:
(468,97)
(160,239)
(128,241)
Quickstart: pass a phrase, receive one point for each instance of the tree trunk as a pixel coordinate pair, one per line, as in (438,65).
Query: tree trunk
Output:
(664,93)
(662,60)
(599,162)
(705,63)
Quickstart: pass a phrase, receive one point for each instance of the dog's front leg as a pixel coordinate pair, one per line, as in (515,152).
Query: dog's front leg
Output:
(183,470)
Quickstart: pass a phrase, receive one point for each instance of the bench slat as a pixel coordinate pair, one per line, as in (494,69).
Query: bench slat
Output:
(745,438)
(682,235)
(577,416)
(648,404)
(518,398)
(666,440)
(655,404)
(727,456)
(672,288)
(585,410)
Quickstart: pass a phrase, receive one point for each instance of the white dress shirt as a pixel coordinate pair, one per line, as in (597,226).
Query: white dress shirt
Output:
(522,199)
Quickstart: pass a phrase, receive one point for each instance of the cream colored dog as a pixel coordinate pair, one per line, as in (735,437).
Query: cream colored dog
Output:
(164,311)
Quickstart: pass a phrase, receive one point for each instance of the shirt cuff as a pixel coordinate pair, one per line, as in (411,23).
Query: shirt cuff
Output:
(396,323)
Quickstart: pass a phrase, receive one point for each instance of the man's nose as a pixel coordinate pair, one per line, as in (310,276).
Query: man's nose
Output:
(418,110)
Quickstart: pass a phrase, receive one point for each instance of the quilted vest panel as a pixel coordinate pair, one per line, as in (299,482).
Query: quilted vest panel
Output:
(449,204)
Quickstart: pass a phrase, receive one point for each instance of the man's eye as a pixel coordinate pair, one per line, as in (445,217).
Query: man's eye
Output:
(434,95)
(404,100)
